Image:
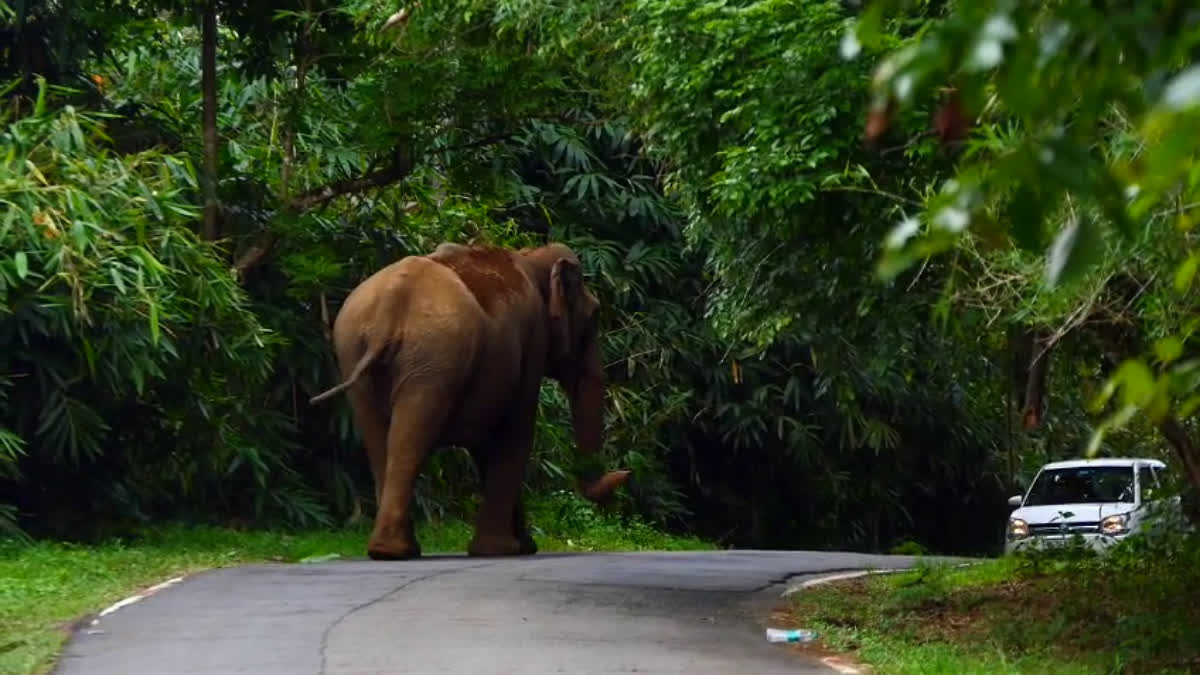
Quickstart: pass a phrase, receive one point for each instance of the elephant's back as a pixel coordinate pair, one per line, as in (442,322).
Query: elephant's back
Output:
(491,275)
(454,278)
(412,281)
(413,293)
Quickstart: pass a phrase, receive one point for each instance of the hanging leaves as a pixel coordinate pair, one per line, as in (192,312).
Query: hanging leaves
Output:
(1075,250)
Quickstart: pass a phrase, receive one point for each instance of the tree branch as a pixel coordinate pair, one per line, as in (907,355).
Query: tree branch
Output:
(482,142)
(400,167)
(254,255)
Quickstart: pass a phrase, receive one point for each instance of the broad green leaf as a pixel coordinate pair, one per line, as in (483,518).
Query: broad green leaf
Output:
(1186,272)
(850,46)
(89,355)
(118,280)
(150,200)
(1137,382)
(154,327)
(1159,405)
(1168,349)
(37,173)
(22,264)
(39,106)
(10,216)
(1116,421)
(1189,406)
(1183,90)
(1078,246)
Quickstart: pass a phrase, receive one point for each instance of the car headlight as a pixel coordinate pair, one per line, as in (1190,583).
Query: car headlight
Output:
(1113,525)
(1017,528)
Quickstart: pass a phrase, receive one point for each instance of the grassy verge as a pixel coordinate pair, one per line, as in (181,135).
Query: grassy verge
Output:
(1130,613)
(46,586)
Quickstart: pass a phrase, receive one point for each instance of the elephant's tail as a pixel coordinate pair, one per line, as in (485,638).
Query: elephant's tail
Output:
(373,351)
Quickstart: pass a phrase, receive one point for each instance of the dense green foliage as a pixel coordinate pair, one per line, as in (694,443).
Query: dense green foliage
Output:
(1082,152)
(115,311)
(167,285)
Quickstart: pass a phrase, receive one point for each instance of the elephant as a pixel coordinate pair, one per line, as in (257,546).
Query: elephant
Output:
(450,349)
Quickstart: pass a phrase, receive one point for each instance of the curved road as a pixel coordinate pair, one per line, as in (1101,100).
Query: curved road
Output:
(695,612)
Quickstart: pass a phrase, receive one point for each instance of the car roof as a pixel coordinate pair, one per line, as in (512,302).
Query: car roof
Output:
(1104,461)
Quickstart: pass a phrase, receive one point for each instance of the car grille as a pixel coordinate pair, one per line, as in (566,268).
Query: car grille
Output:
(1071,528)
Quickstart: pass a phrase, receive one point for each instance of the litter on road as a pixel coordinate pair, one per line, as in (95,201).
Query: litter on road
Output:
(798,635)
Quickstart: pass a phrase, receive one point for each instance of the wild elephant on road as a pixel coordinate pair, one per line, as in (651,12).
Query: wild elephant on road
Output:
(450,349)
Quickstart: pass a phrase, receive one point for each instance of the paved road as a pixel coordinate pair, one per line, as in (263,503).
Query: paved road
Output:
(550,613)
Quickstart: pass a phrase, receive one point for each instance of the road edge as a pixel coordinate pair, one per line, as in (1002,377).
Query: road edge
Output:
(854,574)
(91,626)
(839,663)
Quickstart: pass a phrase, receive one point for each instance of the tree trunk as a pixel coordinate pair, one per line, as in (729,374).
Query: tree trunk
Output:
(1011,395)
(1034,364)
(208,85)
(1189,456)
(1117,343)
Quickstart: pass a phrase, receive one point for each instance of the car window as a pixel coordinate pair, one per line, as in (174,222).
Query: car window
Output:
(1149,479)
(1082,485)
(1146,477)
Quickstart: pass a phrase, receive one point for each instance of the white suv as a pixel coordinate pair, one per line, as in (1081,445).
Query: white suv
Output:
(1100,500)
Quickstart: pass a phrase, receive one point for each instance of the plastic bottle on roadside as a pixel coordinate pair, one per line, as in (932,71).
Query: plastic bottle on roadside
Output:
(798,635)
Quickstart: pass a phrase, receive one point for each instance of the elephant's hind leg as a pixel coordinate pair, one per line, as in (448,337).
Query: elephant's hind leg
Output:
(372,425)
(416,422)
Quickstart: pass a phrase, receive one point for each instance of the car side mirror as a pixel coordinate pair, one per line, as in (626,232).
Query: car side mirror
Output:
(1014,501)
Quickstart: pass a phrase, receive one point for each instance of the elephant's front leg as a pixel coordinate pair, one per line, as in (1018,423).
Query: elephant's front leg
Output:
(520,526)
(521,529)
(500,524)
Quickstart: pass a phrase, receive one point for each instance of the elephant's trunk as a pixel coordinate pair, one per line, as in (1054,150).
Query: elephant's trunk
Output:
(587,414)
(587,420)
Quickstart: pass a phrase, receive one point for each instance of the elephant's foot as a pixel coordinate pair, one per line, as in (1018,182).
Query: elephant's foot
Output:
(527,545)
(489,545)
(380,553)
(401,547)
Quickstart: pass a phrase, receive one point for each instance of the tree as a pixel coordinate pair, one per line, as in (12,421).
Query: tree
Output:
(1083,114)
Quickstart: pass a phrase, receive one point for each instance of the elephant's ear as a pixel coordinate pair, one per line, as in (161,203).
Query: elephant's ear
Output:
(564,283)
(564,280)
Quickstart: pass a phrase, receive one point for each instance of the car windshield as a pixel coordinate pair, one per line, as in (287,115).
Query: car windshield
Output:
(1082,485)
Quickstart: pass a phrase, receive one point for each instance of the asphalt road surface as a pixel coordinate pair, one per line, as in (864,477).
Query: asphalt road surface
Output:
(550,613)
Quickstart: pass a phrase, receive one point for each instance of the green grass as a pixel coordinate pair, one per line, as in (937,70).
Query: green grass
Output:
(46,586)
(1122,615)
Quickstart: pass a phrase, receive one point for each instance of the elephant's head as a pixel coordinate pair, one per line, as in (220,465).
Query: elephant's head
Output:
(574,354)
